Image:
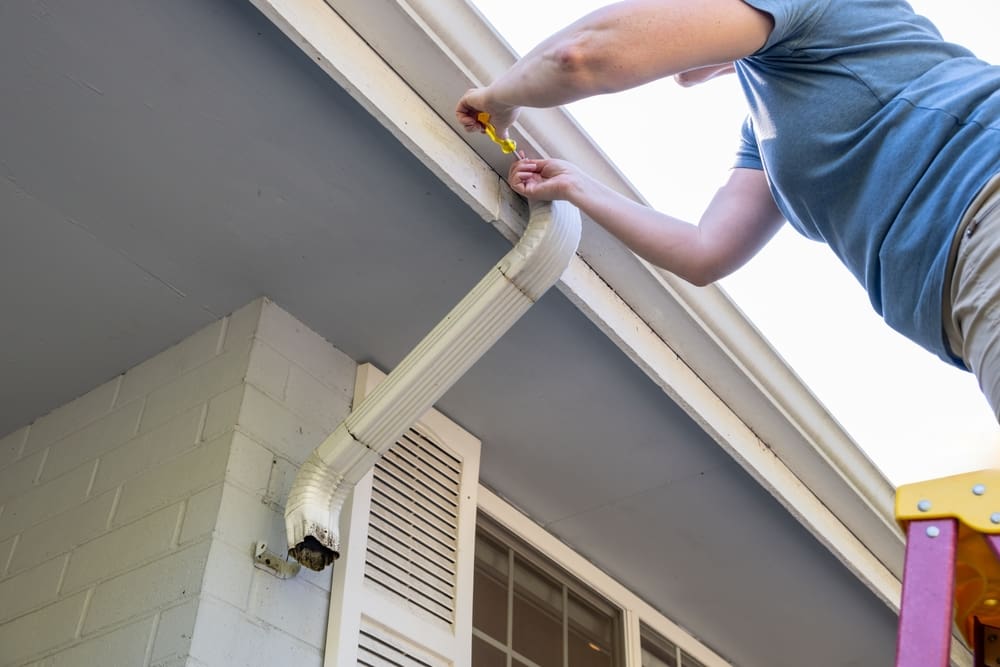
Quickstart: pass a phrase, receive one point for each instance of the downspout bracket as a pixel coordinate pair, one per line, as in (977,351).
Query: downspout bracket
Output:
(274,564)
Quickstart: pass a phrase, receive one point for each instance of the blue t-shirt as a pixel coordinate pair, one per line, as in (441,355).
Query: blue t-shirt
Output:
(875,135)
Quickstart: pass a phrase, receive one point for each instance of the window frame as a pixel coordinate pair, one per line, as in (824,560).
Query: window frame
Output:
(653,639)
(636,612)
(517,549)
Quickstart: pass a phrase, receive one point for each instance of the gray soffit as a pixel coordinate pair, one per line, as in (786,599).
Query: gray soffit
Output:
(162,164)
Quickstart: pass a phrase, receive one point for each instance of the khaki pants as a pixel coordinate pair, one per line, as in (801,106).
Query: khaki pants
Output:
(972,295)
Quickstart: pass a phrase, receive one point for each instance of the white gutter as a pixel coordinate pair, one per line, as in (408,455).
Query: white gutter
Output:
(323,483)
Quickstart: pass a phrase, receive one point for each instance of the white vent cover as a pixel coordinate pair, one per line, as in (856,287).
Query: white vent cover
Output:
(402,589)
(412,549)
(378,649)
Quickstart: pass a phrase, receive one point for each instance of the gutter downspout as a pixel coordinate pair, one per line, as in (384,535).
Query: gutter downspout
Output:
(329,474)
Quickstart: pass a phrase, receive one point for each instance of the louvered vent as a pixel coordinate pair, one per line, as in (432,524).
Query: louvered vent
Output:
(413,532)
(377,650)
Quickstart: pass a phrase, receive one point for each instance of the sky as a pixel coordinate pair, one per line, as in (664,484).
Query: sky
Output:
(912,414)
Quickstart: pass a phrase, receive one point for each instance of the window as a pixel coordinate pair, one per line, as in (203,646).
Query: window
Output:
(658,652)
(526,613)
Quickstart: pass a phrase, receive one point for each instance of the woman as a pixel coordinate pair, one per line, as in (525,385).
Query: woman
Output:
(866,131)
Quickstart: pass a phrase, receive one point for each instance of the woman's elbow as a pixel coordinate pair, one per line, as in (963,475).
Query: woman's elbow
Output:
(702,274)
(701,278)
(580,65)
(570,57)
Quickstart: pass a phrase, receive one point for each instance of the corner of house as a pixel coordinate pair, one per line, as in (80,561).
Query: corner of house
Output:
(128,517)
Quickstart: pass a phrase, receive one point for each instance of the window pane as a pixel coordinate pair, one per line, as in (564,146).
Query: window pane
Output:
(590,622)
(688,661)
(537,616)
(656,658)
(484,655)
(584,652)
(492,556)
(657,651)
(591,635)
(489,599)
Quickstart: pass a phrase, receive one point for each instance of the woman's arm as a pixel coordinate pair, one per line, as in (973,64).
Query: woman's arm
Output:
(739,221)
(619,47)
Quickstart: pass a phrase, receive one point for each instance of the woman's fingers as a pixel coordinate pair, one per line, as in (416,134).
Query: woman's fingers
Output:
(523,174)
(467,109)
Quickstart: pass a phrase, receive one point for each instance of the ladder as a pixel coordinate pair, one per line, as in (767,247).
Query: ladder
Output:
(951,575)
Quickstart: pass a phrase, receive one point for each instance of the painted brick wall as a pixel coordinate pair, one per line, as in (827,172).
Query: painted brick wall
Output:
(298,389)
(128,516)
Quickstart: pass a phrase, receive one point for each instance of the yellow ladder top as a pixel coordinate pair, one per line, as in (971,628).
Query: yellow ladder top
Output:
(972,498)
(973,501)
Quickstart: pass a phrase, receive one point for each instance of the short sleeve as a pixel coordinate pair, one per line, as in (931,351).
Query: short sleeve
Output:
(793,20)
(748,155)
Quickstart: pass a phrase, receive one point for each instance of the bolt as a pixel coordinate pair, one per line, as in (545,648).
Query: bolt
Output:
(979,490)
(924,506)
(933,531)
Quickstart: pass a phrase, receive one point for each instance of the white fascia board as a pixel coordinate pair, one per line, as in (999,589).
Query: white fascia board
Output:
(406,64)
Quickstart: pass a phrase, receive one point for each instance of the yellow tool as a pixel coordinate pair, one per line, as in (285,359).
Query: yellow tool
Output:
(506,145)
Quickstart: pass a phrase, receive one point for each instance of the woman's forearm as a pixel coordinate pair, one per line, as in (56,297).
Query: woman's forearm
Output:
(667,242)
(741,218)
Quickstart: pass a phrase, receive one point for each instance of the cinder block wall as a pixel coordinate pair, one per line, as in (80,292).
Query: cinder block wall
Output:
(128,516)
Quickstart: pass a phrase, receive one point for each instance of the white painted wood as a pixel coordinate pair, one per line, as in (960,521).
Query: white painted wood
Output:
(357,603)
(344,622)
(633,638)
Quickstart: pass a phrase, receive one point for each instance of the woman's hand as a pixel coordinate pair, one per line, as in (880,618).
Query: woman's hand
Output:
(476,100)
(545,180)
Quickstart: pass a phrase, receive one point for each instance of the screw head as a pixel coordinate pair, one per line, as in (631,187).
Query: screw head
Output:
(924,506)
(995,517)
(979,490)
(933,531)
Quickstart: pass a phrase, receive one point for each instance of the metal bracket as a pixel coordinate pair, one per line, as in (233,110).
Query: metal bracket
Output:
(270,562)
